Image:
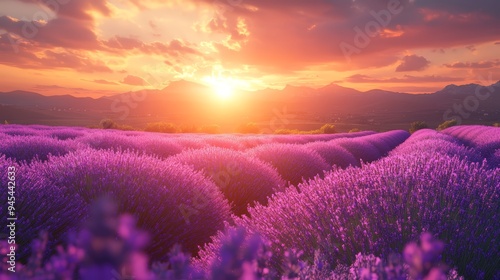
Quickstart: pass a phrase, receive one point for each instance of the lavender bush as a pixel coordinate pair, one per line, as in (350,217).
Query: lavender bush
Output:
(224,141)
(431,134)
(360,148)
(162,147)
(438,146)
(39,206)
(382,206)
(19,130)
(386,141)
(293,162)
(27,148)
(484,138)
(243,180)
(158,192)
(109,140)
(333,154)
(191,142)
(64,133)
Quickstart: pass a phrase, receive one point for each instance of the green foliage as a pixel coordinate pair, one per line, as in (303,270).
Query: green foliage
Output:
(249,128)
(325,129)
(108,124)
(328,128)
(414,126)
(287,131)
(188,128)
(161,127)
(126,127)
(354,130)
(447,124)
(211,129)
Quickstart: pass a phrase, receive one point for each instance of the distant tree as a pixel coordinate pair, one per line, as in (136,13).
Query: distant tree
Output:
(328,128)
(161,127)
(211,129)
(126,127)
(354,130)
(287,131)
(414,126)
(108,124)
(496,124)
(447,124)
(249,128)
(185,128)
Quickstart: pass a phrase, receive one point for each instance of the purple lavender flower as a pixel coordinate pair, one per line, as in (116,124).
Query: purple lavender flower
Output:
(293,162)
(243,180)
(27,148)
(154,190)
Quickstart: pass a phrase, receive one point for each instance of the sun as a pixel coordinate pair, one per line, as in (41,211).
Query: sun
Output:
(223,90)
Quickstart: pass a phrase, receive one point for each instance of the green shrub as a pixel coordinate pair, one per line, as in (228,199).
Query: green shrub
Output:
(414,126)
(287,131)
(249,128)
(161,127)
(126,127)
(328,128)
(447,124)
(211,129)
(108,124)
(185,128)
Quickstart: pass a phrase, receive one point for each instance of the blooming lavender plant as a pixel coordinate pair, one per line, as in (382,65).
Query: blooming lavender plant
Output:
(293,162)
(39,206)
(19,130)
(150,188)
(360,148)
(27,148)
(243,180)
(333,154)
(64,133)
(380,207)
(485,139)
(438,146)
(224,141)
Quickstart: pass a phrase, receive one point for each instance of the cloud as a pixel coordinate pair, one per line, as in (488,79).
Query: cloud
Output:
(22,56)
(74,61)
(280,34)
(359,78)
(104,82)
(474,65)
(175,48)
(77,9)
(471,48)
(413,63)
(62,90)
(59,32)
(134,81)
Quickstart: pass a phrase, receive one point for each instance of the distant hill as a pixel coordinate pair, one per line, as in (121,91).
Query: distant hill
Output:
(184,102)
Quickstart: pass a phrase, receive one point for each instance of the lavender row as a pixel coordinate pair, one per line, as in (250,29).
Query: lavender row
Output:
(176,203)
(483,138)
(380,207)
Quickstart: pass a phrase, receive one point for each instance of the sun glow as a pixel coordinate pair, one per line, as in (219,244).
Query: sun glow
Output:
(223,87)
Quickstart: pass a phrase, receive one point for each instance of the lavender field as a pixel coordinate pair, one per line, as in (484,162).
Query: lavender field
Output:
(109,204)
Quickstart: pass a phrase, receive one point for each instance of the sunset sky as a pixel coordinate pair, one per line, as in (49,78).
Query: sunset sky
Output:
(104,47)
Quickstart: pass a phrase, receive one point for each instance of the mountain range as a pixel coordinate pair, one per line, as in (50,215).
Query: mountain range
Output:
(189,103)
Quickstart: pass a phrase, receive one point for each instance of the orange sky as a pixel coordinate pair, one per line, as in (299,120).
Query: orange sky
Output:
(103,47)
